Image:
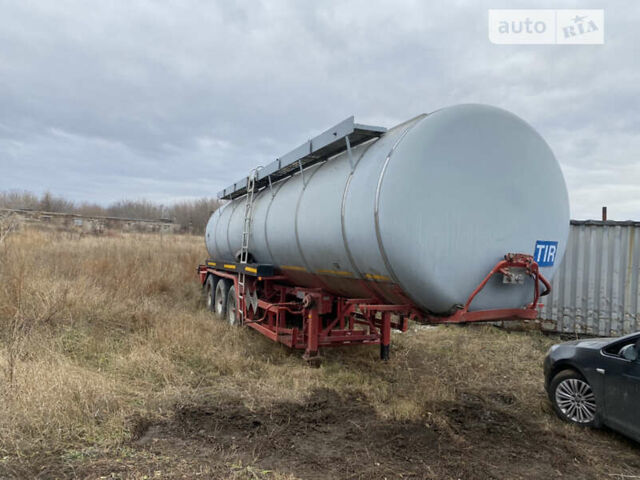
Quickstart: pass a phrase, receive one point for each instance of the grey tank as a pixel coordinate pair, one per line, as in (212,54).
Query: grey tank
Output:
(430,207)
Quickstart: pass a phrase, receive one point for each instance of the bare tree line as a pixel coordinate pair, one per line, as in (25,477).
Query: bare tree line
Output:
(192,214)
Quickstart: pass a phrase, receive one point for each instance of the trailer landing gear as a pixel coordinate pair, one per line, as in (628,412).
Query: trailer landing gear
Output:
(384,352)
(313,359)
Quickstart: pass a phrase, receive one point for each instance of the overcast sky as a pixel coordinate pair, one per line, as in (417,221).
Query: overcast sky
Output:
(106,100)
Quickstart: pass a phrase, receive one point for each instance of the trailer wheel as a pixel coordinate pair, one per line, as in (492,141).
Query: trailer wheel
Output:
(232,310)
(220,298)
(210,292)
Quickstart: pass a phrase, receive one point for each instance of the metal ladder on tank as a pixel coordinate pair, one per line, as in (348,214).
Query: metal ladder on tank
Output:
(244,249)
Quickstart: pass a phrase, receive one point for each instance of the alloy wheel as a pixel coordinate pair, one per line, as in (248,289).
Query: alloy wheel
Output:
(576,400)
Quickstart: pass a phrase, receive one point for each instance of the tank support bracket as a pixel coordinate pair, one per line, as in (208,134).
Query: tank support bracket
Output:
(351,162)
(529,312)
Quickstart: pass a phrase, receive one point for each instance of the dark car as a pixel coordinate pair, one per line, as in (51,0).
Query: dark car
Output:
(596,382)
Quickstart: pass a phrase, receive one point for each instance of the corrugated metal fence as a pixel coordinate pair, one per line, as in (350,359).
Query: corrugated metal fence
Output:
(596,289)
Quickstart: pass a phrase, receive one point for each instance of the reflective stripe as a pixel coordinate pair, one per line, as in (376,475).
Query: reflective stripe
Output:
(293,267)
(373,276)
(335,272)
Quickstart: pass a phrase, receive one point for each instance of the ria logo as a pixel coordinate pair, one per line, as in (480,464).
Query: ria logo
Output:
(581,25)
(542,26)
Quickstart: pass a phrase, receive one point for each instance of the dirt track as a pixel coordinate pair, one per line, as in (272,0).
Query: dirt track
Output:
(333,436)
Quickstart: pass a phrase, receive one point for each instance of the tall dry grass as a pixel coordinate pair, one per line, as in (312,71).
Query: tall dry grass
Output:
(96,332)
(88,326)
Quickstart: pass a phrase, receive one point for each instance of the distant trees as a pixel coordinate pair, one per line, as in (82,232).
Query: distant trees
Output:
(194,213)
(51,203)
(16,199)
(191,214)
(135,209)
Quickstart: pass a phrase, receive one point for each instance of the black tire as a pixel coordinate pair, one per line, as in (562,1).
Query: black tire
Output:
(210,292)
(220,298)
(573,399)
(232,311)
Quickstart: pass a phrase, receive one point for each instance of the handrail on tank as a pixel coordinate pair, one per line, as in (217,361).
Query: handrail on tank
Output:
(515,260)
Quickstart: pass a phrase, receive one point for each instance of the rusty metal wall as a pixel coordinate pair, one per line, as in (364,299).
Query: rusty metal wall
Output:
(596,290)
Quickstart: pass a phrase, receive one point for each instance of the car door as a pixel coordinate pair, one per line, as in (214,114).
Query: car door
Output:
(622,395)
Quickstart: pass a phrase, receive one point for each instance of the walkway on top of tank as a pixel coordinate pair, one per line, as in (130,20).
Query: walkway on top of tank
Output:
(343,136)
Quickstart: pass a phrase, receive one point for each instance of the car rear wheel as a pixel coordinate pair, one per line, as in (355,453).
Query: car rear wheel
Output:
(573,399)
(222,290)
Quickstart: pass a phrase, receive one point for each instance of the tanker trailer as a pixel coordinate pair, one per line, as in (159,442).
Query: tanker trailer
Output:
(460,215)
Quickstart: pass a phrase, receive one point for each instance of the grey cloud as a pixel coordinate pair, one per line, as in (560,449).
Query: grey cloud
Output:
(164,100)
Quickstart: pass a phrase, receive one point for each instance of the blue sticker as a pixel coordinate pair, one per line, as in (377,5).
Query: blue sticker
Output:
(545,253)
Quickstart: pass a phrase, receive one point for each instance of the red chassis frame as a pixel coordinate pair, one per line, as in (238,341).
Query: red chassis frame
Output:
(310,318)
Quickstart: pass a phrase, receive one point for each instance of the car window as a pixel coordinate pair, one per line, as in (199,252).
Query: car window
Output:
(614,348)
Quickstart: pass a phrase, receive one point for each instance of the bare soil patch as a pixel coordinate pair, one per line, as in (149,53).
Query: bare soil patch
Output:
(330,435)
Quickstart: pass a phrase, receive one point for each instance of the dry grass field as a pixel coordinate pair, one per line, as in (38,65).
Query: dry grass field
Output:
(111,368)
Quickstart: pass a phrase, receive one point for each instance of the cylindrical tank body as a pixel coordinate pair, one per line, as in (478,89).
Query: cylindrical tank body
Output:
(428,208)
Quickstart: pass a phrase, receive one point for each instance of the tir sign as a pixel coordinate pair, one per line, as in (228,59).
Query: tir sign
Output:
(545,253)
